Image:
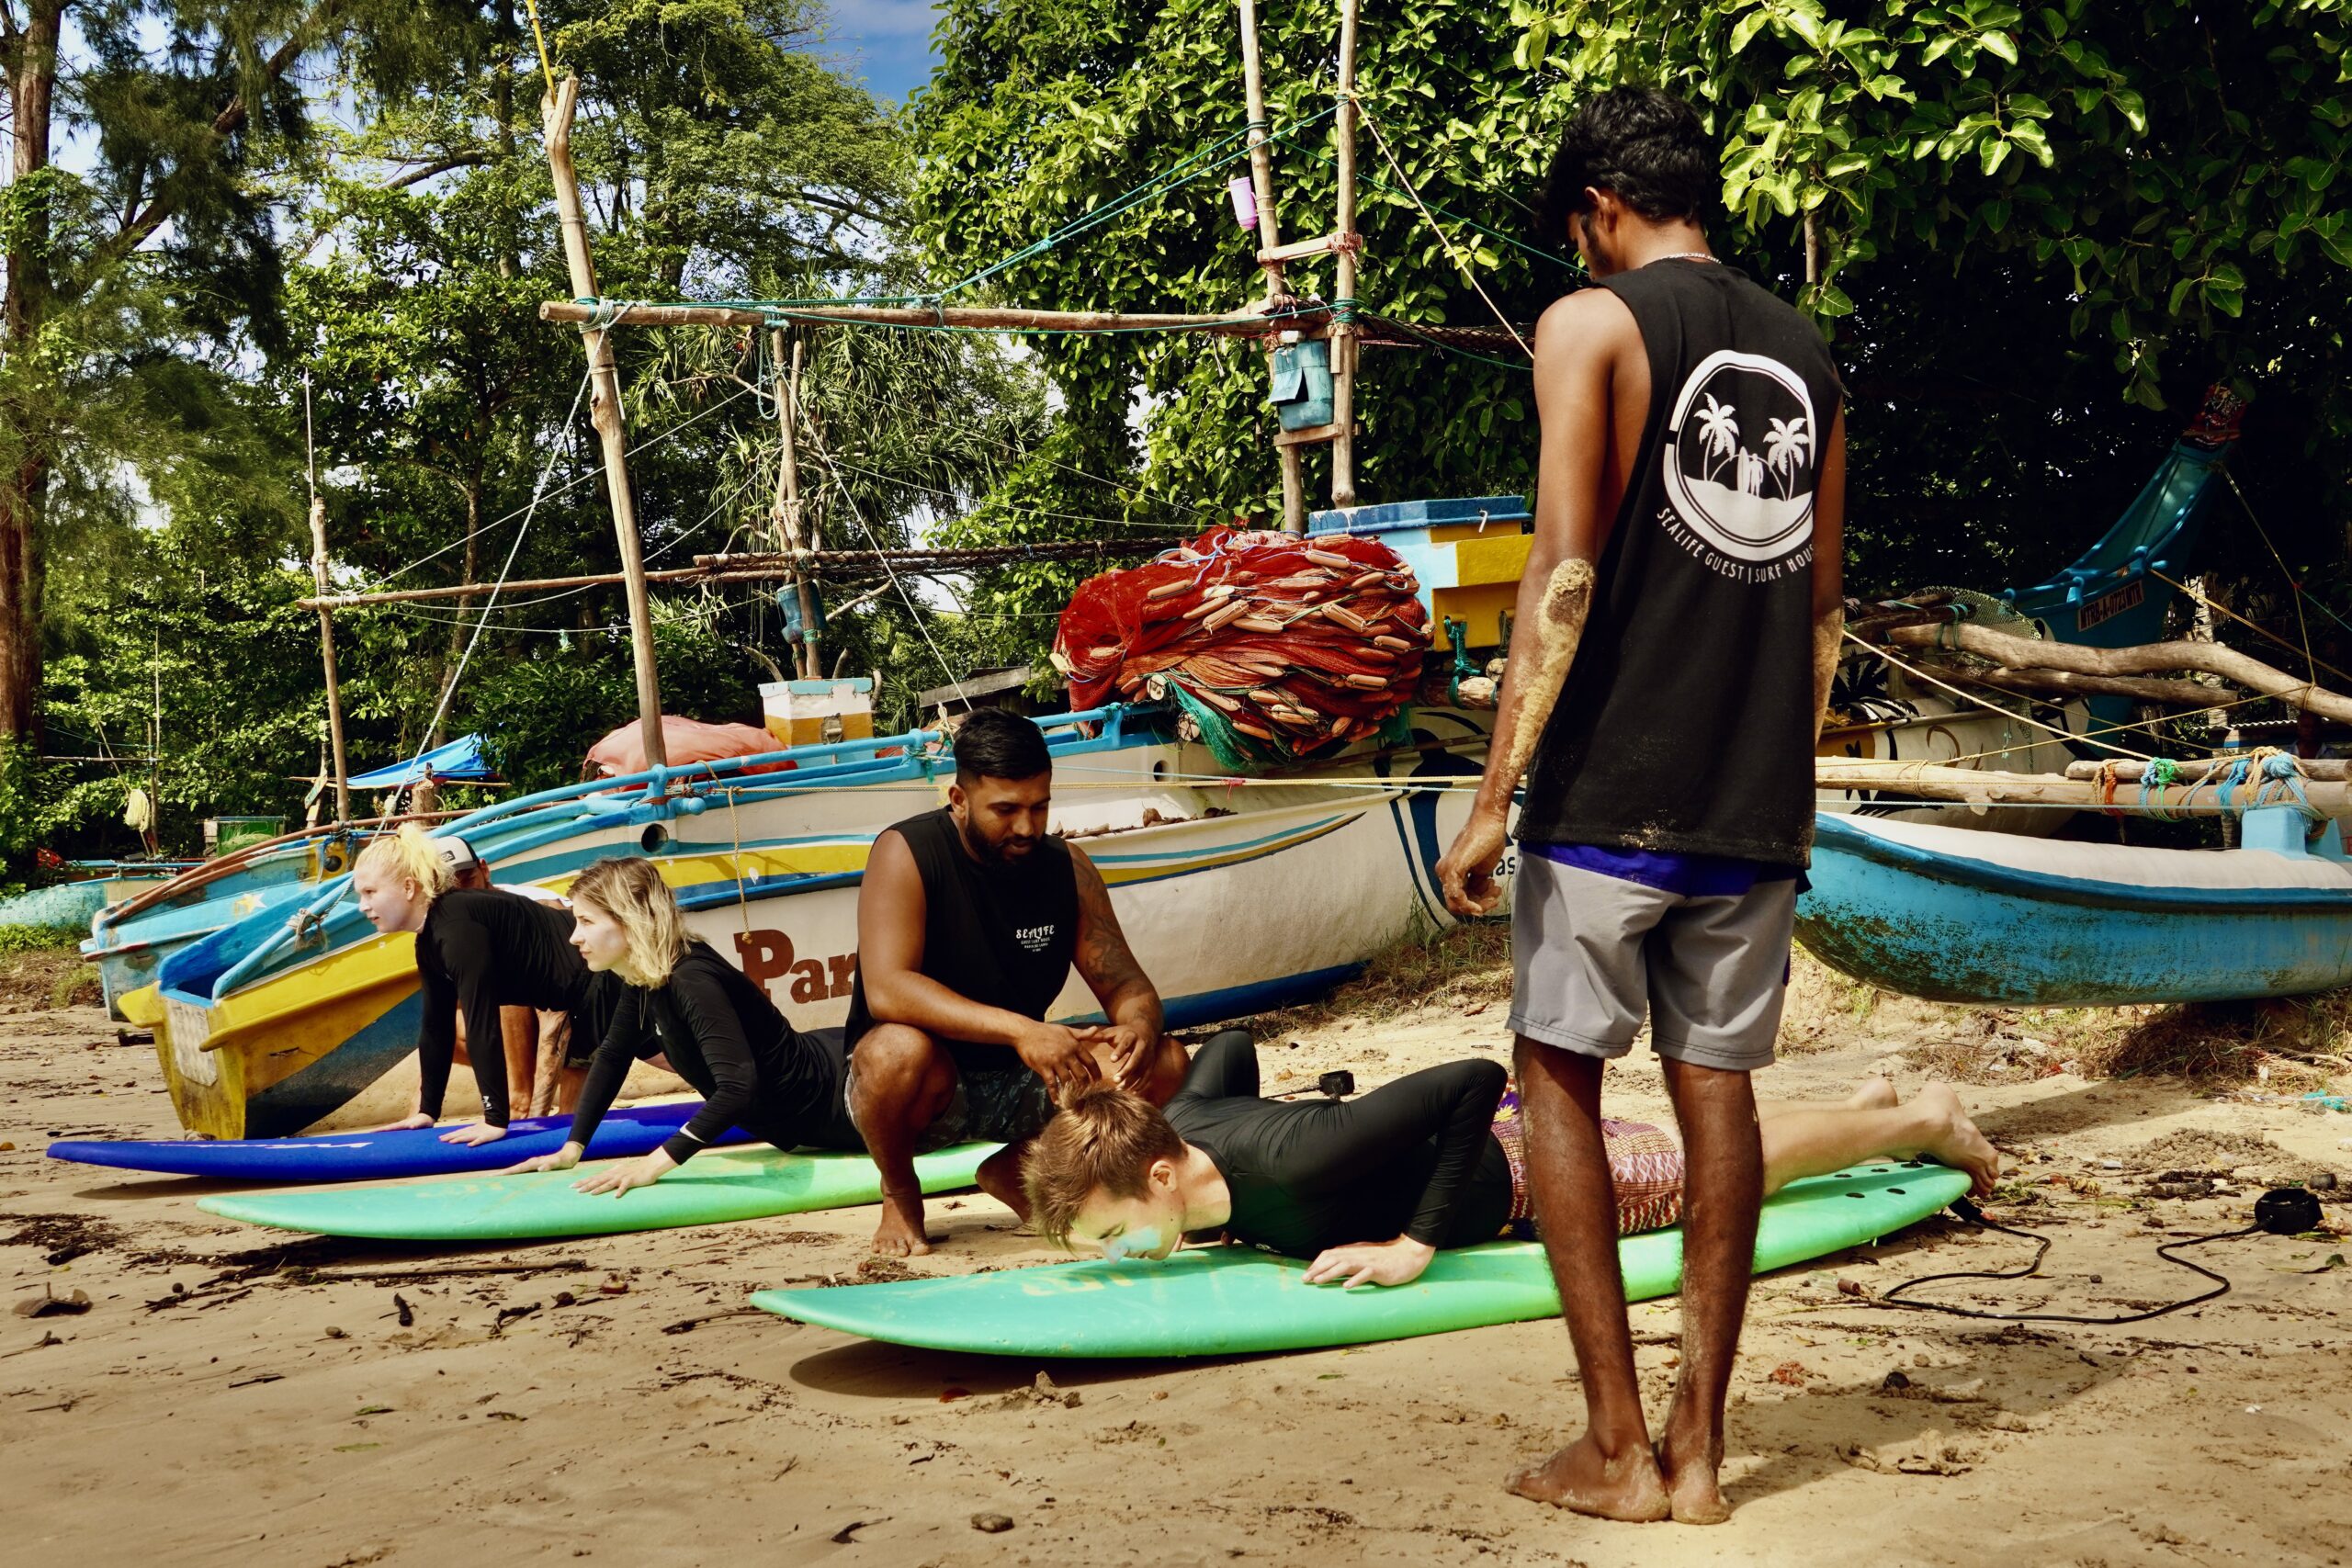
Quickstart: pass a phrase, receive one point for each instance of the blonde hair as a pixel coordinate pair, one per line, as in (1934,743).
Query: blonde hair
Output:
(409,854)
(1105,1142)
(640,903)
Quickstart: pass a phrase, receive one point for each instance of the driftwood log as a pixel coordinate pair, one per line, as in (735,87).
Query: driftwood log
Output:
(2152,659)
(1975,786)
(2333,770)
(2059,683)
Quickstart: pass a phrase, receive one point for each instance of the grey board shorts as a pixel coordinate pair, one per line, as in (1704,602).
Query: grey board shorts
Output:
(1591,954)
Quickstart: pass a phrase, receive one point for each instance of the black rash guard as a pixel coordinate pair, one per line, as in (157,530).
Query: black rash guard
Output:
(1415,1158)
(482,949)
(723,1036)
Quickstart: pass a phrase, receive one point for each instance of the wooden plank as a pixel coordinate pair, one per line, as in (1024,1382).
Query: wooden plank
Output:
(1313,435)
(1299,249)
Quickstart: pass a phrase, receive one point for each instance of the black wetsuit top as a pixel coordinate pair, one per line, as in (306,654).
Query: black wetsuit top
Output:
(723,1036)
(1415,1158)
(998,935)
(483,948)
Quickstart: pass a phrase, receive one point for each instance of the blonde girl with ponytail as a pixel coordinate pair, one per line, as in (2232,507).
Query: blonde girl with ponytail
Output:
(478,950)
(716,1027)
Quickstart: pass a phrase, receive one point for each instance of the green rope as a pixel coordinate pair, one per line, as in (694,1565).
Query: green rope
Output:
(1521,365)
(1183,174)
(1571,263)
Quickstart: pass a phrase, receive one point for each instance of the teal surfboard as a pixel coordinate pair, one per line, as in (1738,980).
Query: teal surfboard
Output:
(1227,1300)
(709,1190)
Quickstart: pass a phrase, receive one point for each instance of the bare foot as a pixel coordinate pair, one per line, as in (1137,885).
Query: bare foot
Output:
(900,1233)
(1871,1094)
(1694,1487)
(1580,1479)
(1953,1138)
(999,1177)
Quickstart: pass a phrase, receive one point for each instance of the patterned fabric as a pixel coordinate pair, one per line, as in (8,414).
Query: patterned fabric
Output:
(1644,1168)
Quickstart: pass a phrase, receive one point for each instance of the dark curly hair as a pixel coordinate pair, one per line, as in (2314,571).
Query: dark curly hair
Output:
(1646,145)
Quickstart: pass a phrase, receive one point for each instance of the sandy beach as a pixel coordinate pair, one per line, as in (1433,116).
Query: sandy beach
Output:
(233,1395)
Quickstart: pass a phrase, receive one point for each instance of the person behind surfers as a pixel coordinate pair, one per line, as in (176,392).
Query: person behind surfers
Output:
(714,1025)
(1670,663)
(968,923)
(542,1066)
(478,950)
(1372,1188)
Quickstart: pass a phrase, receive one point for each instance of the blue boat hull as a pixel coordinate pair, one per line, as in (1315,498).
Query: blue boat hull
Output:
(1901,910)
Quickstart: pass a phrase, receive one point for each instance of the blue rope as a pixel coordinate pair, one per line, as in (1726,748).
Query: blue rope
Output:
(2160,773)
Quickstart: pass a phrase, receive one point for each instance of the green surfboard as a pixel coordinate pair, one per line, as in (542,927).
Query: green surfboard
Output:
(709,1190)
(1227,1300)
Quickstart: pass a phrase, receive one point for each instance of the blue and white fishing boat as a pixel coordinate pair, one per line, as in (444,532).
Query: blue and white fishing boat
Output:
(1999,919)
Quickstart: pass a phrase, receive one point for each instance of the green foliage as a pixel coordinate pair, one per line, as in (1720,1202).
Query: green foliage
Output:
(16,941)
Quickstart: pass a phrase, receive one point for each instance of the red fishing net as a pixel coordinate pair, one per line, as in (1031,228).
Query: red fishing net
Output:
(1276,644)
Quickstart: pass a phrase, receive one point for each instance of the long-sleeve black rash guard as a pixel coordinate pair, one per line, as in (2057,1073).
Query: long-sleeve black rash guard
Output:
(483,948)
(723,1036)
(1415,1158)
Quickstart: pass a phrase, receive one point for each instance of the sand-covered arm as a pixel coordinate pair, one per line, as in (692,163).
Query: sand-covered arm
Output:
(1828,569)
(1586,349)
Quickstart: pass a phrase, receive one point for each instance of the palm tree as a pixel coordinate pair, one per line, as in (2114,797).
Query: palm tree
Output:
(1790,442)
(1718,433)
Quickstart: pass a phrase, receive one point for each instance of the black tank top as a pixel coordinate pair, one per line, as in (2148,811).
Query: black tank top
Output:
(1001,936)
(1686,722)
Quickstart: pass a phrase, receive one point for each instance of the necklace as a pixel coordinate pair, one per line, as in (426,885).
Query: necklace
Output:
(1683,256)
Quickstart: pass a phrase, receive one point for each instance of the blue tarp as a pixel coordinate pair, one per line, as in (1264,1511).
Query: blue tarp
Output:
(460,760)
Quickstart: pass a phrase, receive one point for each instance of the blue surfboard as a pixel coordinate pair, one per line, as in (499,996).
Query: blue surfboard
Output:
(626,1130)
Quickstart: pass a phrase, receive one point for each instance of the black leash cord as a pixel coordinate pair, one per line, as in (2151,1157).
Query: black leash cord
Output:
(1975,1216)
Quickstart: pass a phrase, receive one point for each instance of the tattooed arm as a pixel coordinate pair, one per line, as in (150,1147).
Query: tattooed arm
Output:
(1592,393)
(1127,994)
(1828,569)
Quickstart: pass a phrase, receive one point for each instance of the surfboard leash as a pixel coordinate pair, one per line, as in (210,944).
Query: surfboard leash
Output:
(2282,1211)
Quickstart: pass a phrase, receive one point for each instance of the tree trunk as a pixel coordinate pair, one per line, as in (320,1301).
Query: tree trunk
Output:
(24,483)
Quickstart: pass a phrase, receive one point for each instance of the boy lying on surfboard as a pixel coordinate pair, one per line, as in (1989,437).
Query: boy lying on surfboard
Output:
(1371,1188)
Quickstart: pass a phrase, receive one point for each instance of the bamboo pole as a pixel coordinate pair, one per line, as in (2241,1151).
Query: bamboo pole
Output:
(1261,186)
(1343,291)
(1244,323)
(326,617)
(787,499)
(605,411)
(2211,658)
(1984,787)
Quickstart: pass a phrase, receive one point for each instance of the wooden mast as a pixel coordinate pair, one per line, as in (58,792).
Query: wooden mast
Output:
(788,496)
(326,617)
(605,410)
(1270,239)
(1343,330)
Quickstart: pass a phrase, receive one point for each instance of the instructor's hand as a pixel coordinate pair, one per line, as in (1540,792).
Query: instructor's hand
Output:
(1063,1056)
(415,1123)
(1398,1262)
(618,1178)
(564,1158)
(474,1136)
(1466,875)
(1131,1051)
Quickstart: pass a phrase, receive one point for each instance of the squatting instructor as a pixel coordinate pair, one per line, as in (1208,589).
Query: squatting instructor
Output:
(1670,666)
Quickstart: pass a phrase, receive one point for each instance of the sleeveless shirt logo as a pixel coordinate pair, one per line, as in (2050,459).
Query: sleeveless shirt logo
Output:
(1742,454)
(1032,939)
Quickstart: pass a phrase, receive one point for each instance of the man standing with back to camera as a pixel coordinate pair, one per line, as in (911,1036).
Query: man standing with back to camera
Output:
(1676,634)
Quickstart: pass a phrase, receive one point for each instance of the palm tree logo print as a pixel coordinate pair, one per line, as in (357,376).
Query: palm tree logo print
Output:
(1787,450)
(1718,432)
(1749,503)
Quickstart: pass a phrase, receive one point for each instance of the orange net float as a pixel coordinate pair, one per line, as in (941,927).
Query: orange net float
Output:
(1274,646)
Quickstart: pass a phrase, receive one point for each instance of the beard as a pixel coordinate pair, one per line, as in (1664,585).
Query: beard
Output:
(989,852)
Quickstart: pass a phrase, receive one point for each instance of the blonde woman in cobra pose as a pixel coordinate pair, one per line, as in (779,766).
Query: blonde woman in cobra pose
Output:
(715,1025)
(478,950)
